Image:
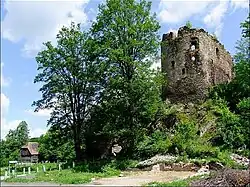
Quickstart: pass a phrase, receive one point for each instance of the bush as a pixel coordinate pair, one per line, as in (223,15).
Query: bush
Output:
(158,143)
(196,149)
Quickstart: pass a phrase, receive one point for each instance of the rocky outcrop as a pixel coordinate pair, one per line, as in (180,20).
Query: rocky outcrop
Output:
(240,160)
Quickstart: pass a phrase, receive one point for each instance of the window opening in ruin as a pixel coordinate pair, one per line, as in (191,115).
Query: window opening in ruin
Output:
(193,58)
(194,43)
(217,51)
(173,64)
(183,71)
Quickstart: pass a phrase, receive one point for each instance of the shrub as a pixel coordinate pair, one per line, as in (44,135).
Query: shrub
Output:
(158,143)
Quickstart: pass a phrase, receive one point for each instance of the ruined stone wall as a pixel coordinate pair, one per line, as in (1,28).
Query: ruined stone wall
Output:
(193,61)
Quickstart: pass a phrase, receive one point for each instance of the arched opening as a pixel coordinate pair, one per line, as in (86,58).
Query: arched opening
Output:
(173,64)
(193,58)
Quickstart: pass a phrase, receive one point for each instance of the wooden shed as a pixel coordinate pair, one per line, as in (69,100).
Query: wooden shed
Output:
(29,152)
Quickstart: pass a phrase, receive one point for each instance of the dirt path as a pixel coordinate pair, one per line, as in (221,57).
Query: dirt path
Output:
(138,179)
(129,179)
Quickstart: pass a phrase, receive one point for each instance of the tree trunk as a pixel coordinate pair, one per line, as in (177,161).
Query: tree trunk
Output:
(78,151)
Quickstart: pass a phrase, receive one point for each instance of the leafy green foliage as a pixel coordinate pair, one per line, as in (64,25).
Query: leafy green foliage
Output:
(14,140)
(55,147)
(66,177)
(189,25)
(127,35)
(233,122)
(158,142)
(70,82)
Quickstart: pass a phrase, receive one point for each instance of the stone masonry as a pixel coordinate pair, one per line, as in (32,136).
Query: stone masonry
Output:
(193,61)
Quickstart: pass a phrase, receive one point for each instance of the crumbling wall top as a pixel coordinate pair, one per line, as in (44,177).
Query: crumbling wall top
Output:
(182,31)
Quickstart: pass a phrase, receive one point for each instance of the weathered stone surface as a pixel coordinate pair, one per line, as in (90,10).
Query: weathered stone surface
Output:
(157,159)
(240,160)
(193,61)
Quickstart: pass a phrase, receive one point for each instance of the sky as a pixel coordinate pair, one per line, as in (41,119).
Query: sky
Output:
(25,25)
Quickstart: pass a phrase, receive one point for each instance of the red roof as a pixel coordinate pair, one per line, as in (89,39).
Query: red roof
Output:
(32,147)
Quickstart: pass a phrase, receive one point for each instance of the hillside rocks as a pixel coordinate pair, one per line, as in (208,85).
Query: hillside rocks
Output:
(157,159)
(240,160)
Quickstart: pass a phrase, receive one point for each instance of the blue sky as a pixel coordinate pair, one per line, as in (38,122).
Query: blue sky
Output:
(27,24)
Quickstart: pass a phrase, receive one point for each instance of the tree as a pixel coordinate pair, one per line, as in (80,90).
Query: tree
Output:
(234,124)
(189,25)
(14,140)
(127,35)
(246,28)
(54,146)
(70,81)
(239,87)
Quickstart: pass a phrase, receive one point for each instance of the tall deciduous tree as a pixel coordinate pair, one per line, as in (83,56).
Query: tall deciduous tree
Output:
(127,35)
(70,82)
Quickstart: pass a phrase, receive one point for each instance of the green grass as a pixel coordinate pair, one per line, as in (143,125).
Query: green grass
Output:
(67,176)
(177,183)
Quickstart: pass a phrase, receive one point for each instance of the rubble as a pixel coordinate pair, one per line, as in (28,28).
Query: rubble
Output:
(240,159)
(227,177)
(157,159)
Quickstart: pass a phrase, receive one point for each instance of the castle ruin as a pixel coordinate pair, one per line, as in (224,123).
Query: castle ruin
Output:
(193,61)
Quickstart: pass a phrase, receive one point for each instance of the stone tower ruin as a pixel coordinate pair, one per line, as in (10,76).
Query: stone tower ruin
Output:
(193,61)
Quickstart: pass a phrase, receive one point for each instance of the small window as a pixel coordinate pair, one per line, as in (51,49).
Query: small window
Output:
(183,71)
(193,58)
(217,51)
(173,64)
(194,44)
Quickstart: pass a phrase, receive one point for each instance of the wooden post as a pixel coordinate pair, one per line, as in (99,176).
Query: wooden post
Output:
(73,164)
(13,173)
(37,170)
(29,170)
(6,174)
(60,168)
(24,171)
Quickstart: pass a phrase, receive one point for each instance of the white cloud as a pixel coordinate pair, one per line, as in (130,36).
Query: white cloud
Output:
(37,132)
(210,11)
(4,81)
(40,113)
(35,22)
(214,18)
(6,125)
(240,3)
(176,12)
(5,102)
